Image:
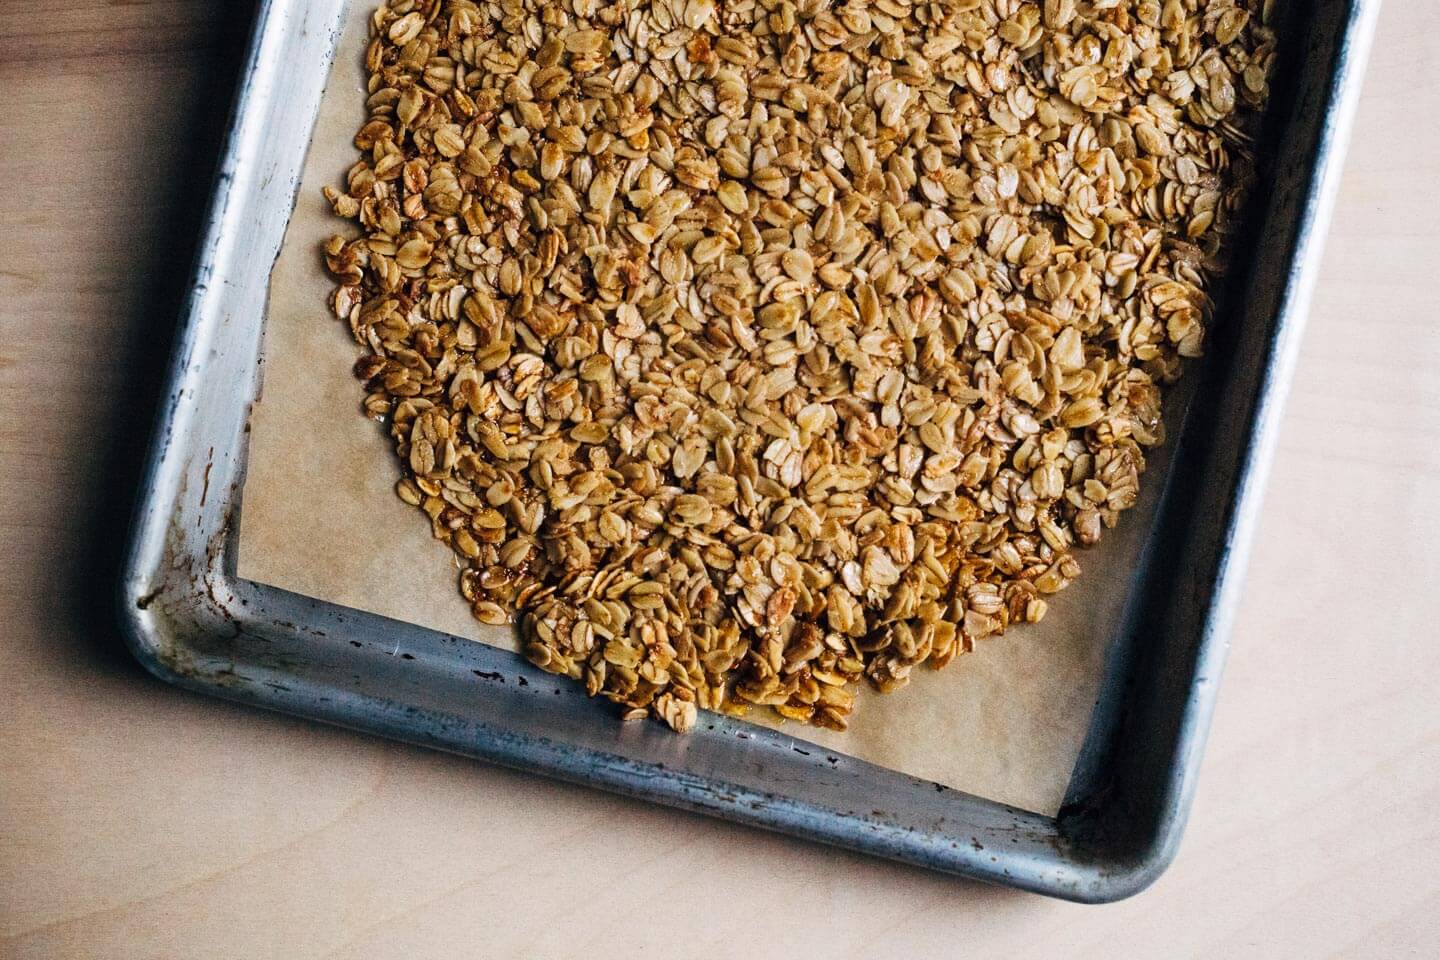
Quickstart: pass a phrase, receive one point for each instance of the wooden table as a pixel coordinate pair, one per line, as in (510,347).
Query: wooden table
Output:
(139,821)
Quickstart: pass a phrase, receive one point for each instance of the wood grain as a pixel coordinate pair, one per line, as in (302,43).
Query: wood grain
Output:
(140,822)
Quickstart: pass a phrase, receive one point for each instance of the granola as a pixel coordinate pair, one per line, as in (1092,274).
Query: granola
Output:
(744,350)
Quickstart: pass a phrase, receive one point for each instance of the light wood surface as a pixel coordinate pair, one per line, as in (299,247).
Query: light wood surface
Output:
(137,821)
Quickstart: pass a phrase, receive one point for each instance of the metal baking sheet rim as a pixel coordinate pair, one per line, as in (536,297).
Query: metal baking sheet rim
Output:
(191,622)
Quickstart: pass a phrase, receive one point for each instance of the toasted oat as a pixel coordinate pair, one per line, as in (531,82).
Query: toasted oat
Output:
(748,349)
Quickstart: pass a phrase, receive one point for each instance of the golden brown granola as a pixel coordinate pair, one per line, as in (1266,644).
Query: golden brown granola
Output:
(747,348)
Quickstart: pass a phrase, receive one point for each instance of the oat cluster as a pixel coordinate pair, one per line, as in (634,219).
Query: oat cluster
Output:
(743,350)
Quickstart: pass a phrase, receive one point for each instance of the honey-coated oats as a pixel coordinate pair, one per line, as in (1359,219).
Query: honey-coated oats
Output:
(743,350)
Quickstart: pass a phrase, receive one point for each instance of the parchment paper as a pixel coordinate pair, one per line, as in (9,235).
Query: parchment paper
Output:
(319,517)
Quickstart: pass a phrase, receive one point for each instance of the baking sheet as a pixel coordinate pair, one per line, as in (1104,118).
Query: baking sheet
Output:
(319,517)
